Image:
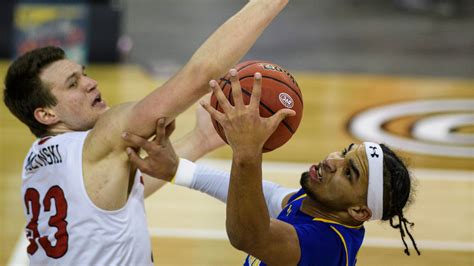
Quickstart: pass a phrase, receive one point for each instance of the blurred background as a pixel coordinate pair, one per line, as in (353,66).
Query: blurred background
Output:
(428,37)
(349,56)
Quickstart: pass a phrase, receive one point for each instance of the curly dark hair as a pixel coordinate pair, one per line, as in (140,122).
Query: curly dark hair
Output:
(398,189)
(24,91)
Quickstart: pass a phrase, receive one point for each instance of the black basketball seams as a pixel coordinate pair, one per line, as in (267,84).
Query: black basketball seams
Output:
(279,81)
(246,92)
(243,67)
(225,81)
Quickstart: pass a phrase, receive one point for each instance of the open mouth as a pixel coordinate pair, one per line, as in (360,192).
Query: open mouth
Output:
(98,99)
(316,173)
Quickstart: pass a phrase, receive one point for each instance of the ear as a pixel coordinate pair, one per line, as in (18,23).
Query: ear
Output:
(360,213)
(46,116)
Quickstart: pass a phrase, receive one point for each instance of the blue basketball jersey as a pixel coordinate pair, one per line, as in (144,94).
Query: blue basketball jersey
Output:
(322,242)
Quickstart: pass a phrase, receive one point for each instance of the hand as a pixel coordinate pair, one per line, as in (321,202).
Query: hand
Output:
(162,161)
(245,129)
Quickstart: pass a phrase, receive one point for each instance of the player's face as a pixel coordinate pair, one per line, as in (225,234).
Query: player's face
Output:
(340,180)
(79,102)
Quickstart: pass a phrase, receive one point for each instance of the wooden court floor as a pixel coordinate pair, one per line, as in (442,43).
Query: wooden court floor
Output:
(187,227)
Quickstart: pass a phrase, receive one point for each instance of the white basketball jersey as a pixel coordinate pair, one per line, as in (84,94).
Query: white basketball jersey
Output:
(63,226)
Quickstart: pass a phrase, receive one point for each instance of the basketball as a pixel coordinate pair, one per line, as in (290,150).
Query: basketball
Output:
(279,90)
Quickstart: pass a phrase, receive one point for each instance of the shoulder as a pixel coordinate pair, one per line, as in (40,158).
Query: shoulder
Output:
(297,195)
(315,233)
(104,137)
(320,242)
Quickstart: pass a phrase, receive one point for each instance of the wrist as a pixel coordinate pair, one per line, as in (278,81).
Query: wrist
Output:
(184,173)
(245,155)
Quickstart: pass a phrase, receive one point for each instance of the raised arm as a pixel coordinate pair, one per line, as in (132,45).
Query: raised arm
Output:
(107,172)
(224,48)
(248,223)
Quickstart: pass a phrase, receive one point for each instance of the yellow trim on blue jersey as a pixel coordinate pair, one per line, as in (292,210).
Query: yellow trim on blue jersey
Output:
(343,242)
(333,222)
(301,196)
(255,260)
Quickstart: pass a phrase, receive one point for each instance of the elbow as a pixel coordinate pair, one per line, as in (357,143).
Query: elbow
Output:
(243,241)
(237,238)
(239,243)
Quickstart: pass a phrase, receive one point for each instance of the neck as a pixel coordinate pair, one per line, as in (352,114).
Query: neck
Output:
(57,131)
(312,208)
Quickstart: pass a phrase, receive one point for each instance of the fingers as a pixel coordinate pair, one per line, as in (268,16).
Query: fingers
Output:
(160,133)
(206,98)
(170,128)
(223,102)
(218,116)
(160,138)
(236,89)
(135,140)
(276,119)
(136,160)
(256,91)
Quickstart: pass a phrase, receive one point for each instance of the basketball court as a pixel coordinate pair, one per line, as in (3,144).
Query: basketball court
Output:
(188,228)
(424,108)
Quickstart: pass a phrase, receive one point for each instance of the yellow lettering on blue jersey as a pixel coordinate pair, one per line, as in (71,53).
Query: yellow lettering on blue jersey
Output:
(288,211)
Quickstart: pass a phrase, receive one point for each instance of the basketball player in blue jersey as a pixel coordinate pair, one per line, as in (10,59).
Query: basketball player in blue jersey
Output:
(319,224)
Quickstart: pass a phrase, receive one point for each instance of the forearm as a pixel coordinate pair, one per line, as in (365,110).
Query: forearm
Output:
(247,214)
(191,146)
(215,183)
(228,44)
(223,49)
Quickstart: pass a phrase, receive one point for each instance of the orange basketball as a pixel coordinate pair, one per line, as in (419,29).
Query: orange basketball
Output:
(279,90)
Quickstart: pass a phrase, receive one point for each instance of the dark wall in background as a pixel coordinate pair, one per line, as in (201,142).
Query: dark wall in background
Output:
(6,28)
(104,28)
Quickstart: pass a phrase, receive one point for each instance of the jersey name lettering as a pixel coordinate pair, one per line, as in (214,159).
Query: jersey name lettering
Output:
(46,156)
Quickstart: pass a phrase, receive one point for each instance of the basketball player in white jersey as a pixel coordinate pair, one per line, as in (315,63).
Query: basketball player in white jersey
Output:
(83,201)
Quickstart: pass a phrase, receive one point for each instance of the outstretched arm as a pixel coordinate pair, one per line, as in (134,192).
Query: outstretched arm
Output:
(248,223)
(224,48)
(105,165)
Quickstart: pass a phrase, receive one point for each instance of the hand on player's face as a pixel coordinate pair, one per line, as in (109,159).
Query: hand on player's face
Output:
(244,128)
(161,160)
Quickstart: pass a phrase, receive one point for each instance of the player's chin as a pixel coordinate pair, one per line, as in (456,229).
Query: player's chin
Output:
(304,179)
(305,182)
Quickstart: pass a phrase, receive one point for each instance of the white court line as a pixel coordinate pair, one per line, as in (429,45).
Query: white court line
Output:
(368,241)
(287,167)
(19,256)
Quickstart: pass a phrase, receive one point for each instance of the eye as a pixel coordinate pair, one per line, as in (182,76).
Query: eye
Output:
(347,173)
(72,85)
